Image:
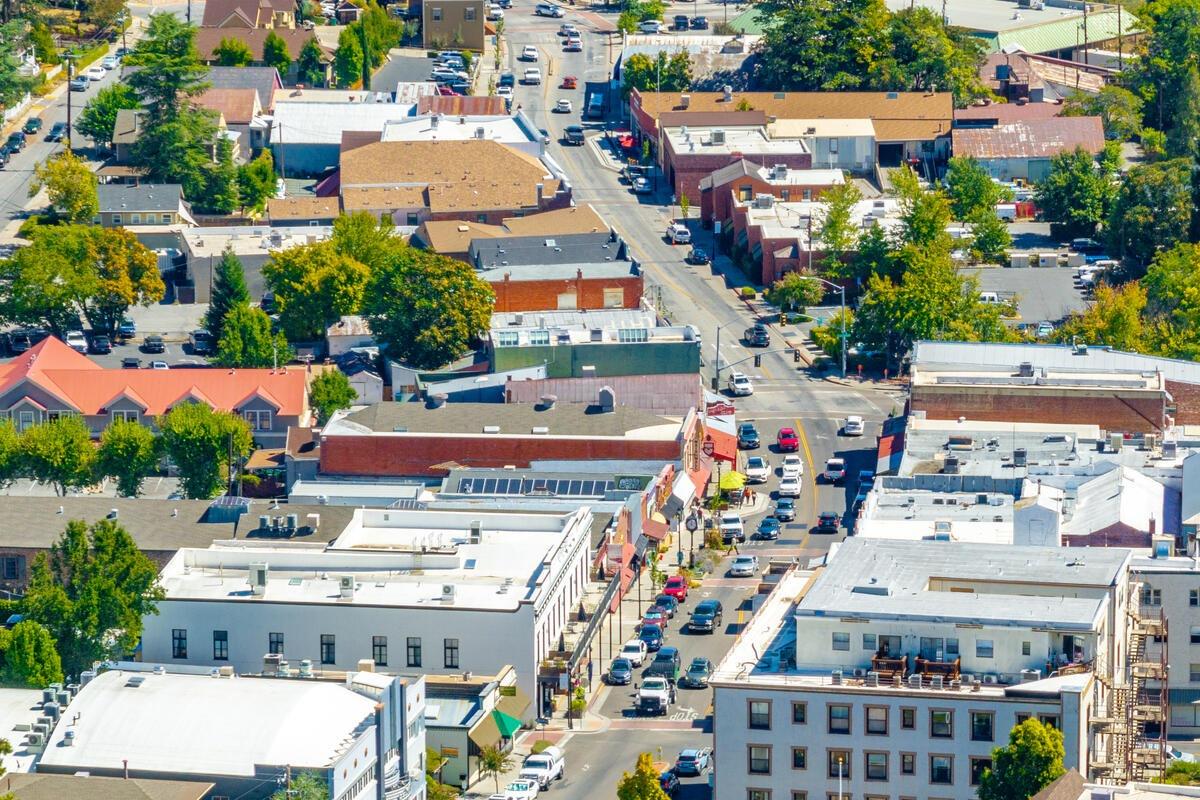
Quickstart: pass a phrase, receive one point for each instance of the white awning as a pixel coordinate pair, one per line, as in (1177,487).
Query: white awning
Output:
(682,492)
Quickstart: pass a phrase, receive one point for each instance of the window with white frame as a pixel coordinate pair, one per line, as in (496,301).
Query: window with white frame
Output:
(127,416)
(135,219)
(984,648)
(508,339)
(841,641)
(633,335)
(1151,596)
(259,420)
(540,336)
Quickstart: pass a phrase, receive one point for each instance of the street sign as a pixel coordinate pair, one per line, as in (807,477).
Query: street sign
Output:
(708,447)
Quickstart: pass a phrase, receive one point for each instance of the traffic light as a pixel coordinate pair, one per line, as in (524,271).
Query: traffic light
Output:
(796,356)
(757,360)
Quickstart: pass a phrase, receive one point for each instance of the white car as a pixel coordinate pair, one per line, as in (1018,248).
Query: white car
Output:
(651,26)
(549,10)
(757,469)
(790,487)
(835,470)
(568,30)
(495,13)
(96,73)
(520,790)
(76,341)
(731,527)
(740,385)
(678,233)
(158,365)
(533,76)
(792,467)
(504,91)
(635,651)
(529,53)
(854,426)
(744,567)
(562,107)
(110,62)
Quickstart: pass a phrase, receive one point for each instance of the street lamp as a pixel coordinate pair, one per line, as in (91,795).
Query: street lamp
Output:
(70,59)
(692,524)
(841,289)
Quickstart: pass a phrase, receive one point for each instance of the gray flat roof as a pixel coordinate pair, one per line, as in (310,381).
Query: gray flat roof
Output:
(1055,356)
(1042,294)
(890,579)
(119,197)
(990,16)
(567,248)
(564,419)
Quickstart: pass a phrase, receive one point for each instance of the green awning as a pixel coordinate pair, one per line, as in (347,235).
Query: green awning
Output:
(508,725)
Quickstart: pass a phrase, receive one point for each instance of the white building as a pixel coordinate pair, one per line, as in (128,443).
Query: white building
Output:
(246,734)
(436,591)
(902,665)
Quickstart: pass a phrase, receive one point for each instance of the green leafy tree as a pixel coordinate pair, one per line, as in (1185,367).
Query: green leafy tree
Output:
(628,21)
(990,239)
(795,291)
(30,658)
(824,45)
(1032,759)
(71,185)
(128,453)
(970,188)
(201,442)
(643,783)
(221,193)
(1114,318)
(228,292)
(43,43)
(99,117)
(233,52)
(248,341)
(275,53)
(874,256)
(1172,302)
(828,335)
(314,285)
(256,182)
(92,592)
(1166,58)
(59,452)
(10,452)
(924,215)
(348,60)
(14,83)
(426,308)
(310,64)
(1076,193)
(179,151)
(1152,212)
(1154,144)
(366,239)
(922,53)
(1119,108)
(329,392)
(493,762)
(667,73)
(838,231)
(303,786)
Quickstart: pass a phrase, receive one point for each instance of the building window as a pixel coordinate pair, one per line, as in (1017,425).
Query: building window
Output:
(413,648)
(379,650)
(633,335)
(220,645)
(799,795)
(1194,597)
(759,759)
(1195,634)
(328,649)
(166,219)
(116,219)
(978,767)
(1024,648)
(614,298)
(760,715)
(413,219)
(259,420)
(745,193)
(941,724)
(941,769)
(984,648)
(876,766)
(450,653)
(869,642)
(127,416)
(12,568)
(1022,716)
(1151,596)
(839,719)
(806,194)
(841,641)
(877,720)
(1049,719)
(275,643)
(539,337)
(785,195)
(435,14)
(758,794)
(799,758)
(982,726)
(179,643)
(481,219)
(799,713)
(833,146)
(135,219)
(507,338)
(839,764)
(908,718)
(469,14)
(908,763)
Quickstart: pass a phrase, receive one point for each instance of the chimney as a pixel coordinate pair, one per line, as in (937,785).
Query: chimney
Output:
(607,399)
(1153,525)
(433,121)
(540,188)
(685,100)
(125,767)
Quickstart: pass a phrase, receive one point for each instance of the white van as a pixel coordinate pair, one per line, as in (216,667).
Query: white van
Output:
(1007,212)
(678,233)
(533,76)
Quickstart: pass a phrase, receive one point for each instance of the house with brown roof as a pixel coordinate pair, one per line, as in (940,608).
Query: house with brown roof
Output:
(243,114)
(208,39)
(51,380)
(302,210)
(126,131)
(453,237)
(264,14)
(1023,149)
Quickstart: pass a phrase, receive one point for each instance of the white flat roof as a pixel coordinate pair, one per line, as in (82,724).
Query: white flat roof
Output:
(991,16)
(822,128)
(18,707)
(200,725)
(502,129)
(688,139)
(323,123)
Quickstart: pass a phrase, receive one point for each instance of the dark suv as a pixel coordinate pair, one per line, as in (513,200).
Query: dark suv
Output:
(573,134)
(758,336)
(707,617)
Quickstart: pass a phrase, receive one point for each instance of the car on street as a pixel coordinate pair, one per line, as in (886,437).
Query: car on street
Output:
(32,125)
(699,23)
(652,636)
(748,436)
(790,487)
(706,617)
(573,134)
(828,522)
(80,83)
(633,171)
(5,156)
(759,335)
(568,30)
(573,46)
(768,529)
(529,53)
(620,672)
(507,79)
(154,344)
(787,441)
(494,13)
(697,673)
(698,256)
(96,73)
(854,426)
(835,470)
(652,27)
(669,783)
(744,567)
(549,10)
(532,76)
(792,466)
(635,651)
(677,587)
(731,527)
(57,131)
(785,509)
(77,341)
(693,761)
(16,141)
(641,186)
(545,767)
(655,615)
(740,385)
(504,91)
(667,603)
(563,106)
(757,470)
(520,790)
(570,82)
(667,664)
(100,344)
(678,233)
(110,62)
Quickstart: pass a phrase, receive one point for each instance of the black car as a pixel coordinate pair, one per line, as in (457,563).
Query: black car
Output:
(16,141)
(57,131)
(32,125)
(19,342)
(669,783)
(699,23)
(758,336)
(100,344)
(203,343)
(131,363)
(573,134)
(154,344)
(748,436)
(681,22)
(828,522)
(707,616)
(698,255)
(4,156)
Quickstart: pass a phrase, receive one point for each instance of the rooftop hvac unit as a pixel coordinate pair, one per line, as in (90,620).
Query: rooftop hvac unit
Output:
(859,672)
(306,668)
(35,739)
(293,521)
(718,137)
(447,592)
(1020,455)
(872,678)
(1150,441)
(1030,675)
(935,682)
(1169,449)
(271,663)
(1025,369)
(264,522)
(914,681)
(476,535)
(763,200)
(950,465)
(257,577)
(346,586)
(990,680)
(1116,441)
(68,739)
(835,677)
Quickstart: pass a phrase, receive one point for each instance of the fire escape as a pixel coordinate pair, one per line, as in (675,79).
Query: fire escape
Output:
(1131,717)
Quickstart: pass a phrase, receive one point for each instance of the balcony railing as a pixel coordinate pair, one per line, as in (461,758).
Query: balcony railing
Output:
(947,669)
(887,666)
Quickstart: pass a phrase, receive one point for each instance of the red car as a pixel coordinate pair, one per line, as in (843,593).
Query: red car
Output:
(787,440)
(676,587)
(656,615)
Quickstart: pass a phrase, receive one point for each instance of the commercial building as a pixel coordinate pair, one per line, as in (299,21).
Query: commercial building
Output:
(431,591)
(1023,149)
(466,714)
(745,180)
(669,394)
(898,667)
(689,152)
(362,735)
(457,22)
(306,136)
(453,237)
(516,131)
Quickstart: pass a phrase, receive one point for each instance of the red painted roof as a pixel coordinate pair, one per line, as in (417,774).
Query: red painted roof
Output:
(87,387)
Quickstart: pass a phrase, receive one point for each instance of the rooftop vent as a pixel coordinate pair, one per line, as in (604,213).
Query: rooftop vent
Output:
(548,401)
(1020,455)
(539,430)
(685,100)
(1025,370)
(607,399)
(727,91)
(257,577)
(951,465)
(476,534)
(718,137)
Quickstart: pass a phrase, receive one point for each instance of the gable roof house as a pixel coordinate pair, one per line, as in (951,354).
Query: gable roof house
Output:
(249,14)
(208,39)
(143,204)
(1023,149)
(51,380)
(265,81)
(243,114)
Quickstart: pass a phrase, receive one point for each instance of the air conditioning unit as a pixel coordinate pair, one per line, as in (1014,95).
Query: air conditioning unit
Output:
(1029,675)
(836,677)
(990,680)
(447,592)
(718,137)
(35,739)
(346,586)
(936,682)
(257,577)
(859,672)
(68,739)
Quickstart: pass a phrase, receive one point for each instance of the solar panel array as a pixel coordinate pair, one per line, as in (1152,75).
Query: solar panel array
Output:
(564,487)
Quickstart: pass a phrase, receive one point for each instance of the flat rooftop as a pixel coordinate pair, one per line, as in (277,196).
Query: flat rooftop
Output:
(445,128)
(894,579)
(398,558)
(583,320)
(1054,356)
(686,140)
(198,725)
(250,239)
(603,270)
(1043,377)
(992,16)
(796,219)
(916,514)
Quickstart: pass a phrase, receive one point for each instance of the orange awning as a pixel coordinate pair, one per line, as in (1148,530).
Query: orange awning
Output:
(654,529)
(724,445)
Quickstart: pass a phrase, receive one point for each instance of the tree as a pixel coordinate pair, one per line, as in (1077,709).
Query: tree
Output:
(221,193)
(1172,302)
(71,185)
(247,341)
(128,452)
(662,73)
(30,658)
(492,763)
(348,60)
(1031,761)
(824,45)
(990,238)
(14,81)
(1076,193)
(643,783)
(367,240)
(10,452)
(838,231)
(43,43)
(1114,319)
(178,151)
(275,53)
(256,182)
(92,592)
(59,452)
(303,786)
(1152,212)
(99,117)
(201,442)
(922,53)
(310,65)
(970,188)
(1183,134)
(329,392)
(1119,108)
(924,215)
(228,292)
(795,291)
(314,285)
(874,256)
(232,52)
(828,336)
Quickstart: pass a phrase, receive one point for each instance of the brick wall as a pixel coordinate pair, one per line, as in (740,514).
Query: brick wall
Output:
(686,170)
(1132,413)
(1187,402)
(542,295)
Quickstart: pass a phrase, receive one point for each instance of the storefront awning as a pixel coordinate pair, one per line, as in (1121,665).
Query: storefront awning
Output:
(507,724)
(485,734)
(655,529)
(724,445)
(516,704)
(682,492)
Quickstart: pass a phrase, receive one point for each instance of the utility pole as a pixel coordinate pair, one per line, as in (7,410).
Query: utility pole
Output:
(189,12)
(70,91)
(1085,38)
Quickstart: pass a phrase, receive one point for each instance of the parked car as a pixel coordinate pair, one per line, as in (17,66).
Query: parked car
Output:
(131,362)
(668,603)
(694,761)
(768,529)
(790,487)
(698,256)
(529,53)
(642,186)
(203,343)
(748,436)
(159,365)
(100,344)
(77,341)
(757,470)
(32,125)
(494,13)
(110,62)
(677,587)
(16,141)
(57,131)
(126,328)
(532,77)
(787,441)
(740,385)
(854,426)
(652,636)
(792,466)
(696,676)
(744,567)
(835,470)
(785,509)
(545,767)
(1045,329)
(573,134)
(678,233)
(507,79)
(828,522)
(563,106)
(620,672)
(95,73)
(706,617)
(866,481)
(549,10)
(79,83)
(680,22)
(635,651)
(651,26)
(5,156)
(669,783)
(154,344)
(699,23)
(1085,245)
(504,91)
(731,527)
(655,615)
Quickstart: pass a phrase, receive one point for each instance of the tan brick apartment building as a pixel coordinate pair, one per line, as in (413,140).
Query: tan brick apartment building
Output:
(453,23)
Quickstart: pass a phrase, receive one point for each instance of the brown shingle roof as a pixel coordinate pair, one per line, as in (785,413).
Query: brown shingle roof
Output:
(237,106)
(1034,138)
(217,11)
(42,786)
(383,198)
(1067,787)
(284,208)
(455,236)
(208,39)
(128,127)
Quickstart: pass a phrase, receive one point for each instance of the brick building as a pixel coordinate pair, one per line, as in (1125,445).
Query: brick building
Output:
(586,287)
(745,180)
(689,153)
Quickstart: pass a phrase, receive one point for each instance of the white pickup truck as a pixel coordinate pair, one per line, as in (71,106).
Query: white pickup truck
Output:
(544,767)
(655,696)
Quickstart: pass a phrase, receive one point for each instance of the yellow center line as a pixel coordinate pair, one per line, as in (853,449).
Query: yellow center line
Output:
(810,468)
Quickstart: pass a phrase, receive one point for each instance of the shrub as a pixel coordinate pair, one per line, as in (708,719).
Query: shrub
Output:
(540,746)
(749,292)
